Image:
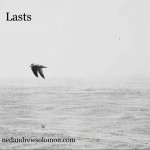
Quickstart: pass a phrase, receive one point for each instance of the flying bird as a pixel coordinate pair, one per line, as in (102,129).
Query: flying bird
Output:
(37,68)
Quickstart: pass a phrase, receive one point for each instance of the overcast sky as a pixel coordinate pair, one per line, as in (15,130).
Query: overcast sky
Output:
(76,38)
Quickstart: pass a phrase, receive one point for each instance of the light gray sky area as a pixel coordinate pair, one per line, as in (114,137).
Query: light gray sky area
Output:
(76,38)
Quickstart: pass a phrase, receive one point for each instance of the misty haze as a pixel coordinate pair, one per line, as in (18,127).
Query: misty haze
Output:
(97,81)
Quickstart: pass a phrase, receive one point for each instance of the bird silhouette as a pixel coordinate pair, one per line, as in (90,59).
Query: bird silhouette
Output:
(36,68)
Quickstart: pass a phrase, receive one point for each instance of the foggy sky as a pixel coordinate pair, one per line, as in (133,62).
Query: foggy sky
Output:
(76,38)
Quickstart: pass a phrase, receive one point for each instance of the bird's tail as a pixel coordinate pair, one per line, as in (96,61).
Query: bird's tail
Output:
(44,67)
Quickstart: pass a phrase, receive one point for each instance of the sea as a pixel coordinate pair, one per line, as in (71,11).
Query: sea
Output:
(75,113)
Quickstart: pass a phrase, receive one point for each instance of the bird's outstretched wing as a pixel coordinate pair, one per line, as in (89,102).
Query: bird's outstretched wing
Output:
(41,72)
(34,69)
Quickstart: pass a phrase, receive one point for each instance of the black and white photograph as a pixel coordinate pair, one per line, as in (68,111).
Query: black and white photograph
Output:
(75,74)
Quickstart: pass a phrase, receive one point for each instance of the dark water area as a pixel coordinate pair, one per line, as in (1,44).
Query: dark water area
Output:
(97,113)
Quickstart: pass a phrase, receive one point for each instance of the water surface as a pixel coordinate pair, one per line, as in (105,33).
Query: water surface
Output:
(97,113)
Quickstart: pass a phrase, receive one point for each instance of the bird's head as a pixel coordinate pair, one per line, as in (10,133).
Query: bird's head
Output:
(31,65)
